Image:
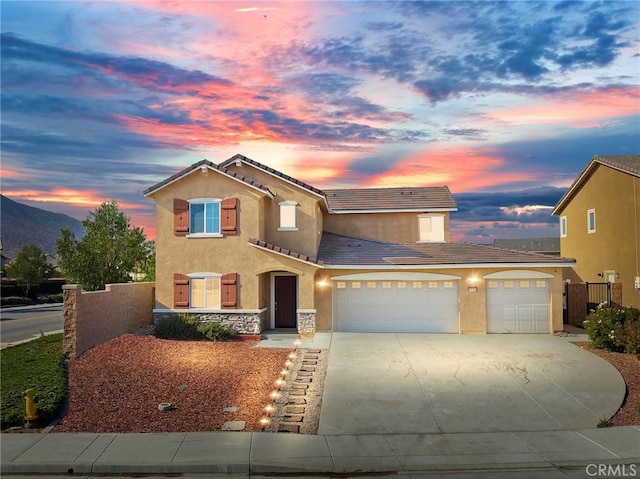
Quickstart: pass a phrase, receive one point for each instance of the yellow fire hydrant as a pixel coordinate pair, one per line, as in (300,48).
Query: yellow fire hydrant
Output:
(30,405)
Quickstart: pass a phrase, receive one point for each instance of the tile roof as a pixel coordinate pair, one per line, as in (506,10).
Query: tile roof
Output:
(529,244)
(626,163)
(284,251)
(270,170)
(213,166)
(345,250)
(410,198)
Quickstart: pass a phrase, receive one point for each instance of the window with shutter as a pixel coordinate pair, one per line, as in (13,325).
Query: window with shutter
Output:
(229,290)
(180,217)
(180,290)
(230,216)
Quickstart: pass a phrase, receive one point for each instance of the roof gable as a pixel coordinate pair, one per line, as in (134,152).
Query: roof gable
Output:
(433,198)
(212,167)
(289,179)
(628,164)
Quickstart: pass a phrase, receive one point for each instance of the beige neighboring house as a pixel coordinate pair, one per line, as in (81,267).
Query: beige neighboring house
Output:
(600,224)
(253,248)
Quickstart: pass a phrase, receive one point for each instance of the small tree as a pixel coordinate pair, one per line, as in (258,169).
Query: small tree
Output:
(30,267)
(107,253)
(145,270)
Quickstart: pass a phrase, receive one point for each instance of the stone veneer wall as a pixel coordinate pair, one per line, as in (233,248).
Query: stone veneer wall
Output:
(306,322)
(93,317)
(241,323)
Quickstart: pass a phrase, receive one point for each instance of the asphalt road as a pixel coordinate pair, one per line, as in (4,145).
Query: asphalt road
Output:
(24,323)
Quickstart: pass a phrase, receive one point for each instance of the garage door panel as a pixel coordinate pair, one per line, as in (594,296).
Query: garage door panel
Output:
(518,306)
(396,306)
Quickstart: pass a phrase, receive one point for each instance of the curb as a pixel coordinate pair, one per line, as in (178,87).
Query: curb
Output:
(32,306)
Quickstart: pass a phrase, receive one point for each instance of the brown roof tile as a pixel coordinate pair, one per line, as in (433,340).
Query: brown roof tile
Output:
(284,251)
(627,163)
(410,198)
(345,250)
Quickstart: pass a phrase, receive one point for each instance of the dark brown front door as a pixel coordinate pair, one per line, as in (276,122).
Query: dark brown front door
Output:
(285,302)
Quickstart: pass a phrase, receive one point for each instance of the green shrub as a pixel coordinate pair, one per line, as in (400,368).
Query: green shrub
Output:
(615,328)
(38,364)
(216,331)
(17,301)
(180,326)
(49,298)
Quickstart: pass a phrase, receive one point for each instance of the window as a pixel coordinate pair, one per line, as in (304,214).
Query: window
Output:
(417,285)
(430,228)
(371,285)
(204,292)
(356,284)
(492,284)
(386,285)
(591,221)
(448,284)
(524,284)
(402,285)
(341,285)
(433,285)
(204,216)
(563,227)
(288,216)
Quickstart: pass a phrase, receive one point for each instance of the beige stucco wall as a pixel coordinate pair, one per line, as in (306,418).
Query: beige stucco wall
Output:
(93,317)
(616,243)
(390,227)
(472,305)
(306,239)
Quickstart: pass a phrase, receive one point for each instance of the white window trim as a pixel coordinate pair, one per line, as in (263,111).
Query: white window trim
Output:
(431,230)
(287,205)
(589,213)
(563,227)
(205,276)
(203,201)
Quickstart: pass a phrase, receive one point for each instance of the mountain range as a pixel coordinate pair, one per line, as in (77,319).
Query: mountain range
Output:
(21,224)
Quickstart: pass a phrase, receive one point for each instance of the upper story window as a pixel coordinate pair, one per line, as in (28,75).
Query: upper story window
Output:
(430,228)
(204,216)
(563,227)
(288,216)
(591,221)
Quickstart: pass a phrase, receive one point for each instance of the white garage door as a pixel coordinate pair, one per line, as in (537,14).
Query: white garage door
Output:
(396,306)
(518,306)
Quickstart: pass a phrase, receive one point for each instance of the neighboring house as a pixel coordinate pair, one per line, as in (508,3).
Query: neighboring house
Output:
(251,247)
(600,224)
(549,246)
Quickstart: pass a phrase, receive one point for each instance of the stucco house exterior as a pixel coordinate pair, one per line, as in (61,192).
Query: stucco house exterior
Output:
(256,249)
(600,224)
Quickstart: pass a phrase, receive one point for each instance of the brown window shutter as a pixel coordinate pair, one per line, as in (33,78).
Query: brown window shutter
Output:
(180,217)
(180,290)
(229,290)
(229,216)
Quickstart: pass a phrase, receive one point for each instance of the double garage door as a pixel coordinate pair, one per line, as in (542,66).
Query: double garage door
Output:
(396,306)
(431,306)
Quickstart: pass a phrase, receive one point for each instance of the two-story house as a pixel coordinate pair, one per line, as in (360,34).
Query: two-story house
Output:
(248,246)
(600,224)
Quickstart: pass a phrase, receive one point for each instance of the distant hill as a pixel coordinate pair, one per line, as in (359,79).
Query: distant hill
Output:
(21,225)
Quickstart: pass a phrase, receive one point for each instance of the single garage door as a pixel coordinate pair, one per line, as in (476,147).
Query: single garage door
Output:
(396,306)
(518,305)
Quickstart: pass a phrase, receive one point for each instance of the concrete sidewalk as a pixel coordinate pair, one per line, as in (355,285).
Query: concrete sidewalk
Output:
(255,453)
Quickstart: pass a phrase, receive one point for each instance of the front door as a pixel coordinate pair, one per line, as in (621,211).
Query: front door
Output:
(285,302)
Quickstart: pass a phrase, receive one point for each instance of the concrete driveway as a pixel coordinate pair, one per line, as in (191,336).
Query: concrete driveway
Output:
(435,383)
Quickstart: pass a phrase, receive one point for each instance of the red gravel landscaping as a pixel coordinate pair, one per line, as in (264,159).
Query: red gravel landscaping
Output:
(117,386)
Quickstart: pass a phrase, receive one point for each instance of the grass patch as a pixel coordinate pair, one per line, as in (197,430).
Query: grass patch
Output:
(38,364)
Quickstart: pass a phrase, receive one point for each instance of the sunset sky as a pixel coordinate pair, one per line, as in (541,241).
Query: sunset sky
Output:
(504,102)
